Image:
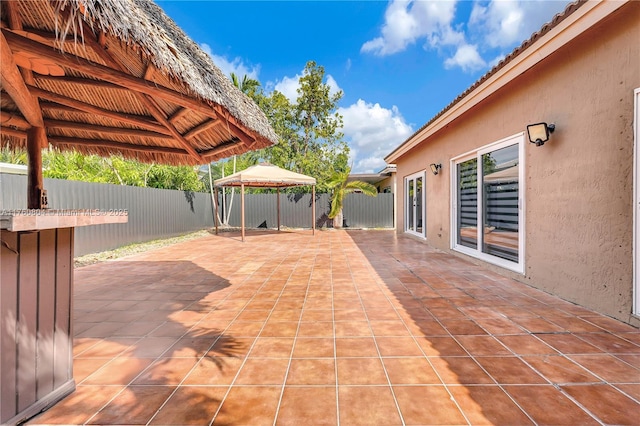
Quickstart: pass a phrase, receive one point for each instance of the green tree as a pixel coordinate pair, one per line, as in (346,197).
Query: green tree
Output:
(341,186)
(11,156)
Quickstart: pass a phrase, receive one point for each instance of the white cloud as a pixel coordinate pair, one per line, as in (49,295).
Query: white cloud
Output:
(493,24)
(467,58)
(372,132)
(408,21)
(289,86)
(505,24)
(235,65)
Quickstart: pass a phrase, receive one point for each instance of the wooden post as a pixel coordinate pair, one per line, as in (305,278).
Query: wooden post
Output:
(36,139)
(215,204)
(278,201)
(313,209)
(242,208)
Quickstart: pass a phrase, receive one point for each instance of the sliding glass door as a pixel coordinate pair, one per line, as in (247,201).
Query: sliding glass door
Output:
(488,204)
(415,204)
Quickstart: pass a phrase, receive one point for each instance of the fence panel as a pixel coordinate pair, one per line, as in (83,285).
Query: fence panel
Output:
(159,213)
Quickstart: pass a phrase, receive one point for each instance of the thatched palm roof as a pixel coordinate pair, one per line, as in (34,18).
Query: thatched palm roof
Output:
(119,77)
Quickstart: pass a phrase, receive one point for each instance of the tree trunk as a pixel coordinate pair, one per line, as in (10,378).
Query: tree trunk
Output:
(337,221)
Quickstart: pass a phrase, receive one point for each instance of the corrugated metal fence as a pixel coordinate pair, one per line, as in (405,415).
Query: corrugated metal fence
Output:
(159,213)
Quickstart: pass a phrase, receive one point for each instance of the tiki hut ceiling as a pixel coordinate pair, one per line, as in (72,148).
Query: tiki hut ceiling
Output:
(118,77)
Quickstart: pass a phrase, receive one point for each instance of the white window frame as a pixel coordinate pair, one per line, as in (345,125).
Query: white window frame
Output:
(477,253)
(636,202)
(415,176)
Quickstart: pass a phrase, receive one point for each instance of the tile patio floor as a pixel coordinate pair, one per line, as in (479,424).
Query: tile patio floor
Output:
(358,327)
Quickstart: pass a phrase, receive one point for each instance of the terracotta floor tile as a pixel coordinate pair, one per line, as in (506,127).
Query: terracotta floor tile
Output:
(355,347)
(189,347)
(78,407)
(483,345)
(280,329)
(350,314)
(568,344)
(316,329)
(610,343)
(488,405)
(606,403)
(108,348)
(244,329)
(463,326)
(214,371)
(272,347)
(353,329)
(190,405)
(150,347)
(308,406)
(361,371)
(389,328)
(537,325)
(499,325)
(632,390)
(262,371)
(560,370)
(313,347)
(430,405)
(166,371)
(126,408)
(356,406)
(460,370)
(84,367)
(398,346)
(230,346)
(608,368)
(119,371)
(510,370)
(430,328)
(310,371)
(548,406)
(630,359)
(526,345)
(249,405)
(405,371)
(440,346)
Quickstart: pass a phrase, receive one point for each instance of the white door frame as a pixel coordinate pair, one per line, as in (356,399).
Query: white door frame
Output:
(414,178)
(636,202)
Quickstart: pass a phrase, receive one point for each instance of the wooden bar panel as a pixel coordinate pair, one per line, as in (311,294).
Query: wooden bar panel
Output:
(46,312)
(63,333)
(27,319)
(8,318)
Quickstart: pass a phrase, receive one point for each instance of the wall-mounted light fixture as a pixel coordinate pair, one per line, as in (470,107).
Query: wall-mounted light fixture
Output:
(435,168)
(539,132)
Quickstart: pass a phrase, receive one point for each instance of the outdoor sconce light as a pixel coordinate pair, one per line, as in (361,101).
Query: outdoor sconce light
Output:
(435,168)
(539,133)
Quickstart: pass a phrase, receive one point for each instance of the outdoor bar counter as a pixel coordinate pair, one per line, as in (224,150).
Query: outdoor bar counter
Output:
(36,306)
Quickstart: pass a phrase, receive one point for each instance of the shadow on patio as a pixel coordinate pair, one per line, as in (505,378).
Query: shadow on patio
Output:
(344,327)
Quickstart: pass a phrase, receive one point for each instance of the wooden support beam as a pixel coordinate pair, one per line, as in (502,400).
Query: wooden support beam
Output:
(201,128)
(178,115)
(92,128)
(8,119)
(9,131)
(101,143)
(220,149)
(92,109)
(36,138)
(109,74)
(15,23)
(15,86)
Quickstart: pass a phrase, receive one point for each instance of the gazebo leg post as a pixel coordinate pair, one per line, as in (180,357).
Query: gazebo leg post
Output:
(36,139)
(242,213)
(215,204)
(278,201)
(313,210)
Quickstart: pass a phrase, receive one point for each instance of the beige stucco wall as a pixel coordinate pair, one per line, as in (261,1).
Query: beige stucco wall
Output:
(579,186)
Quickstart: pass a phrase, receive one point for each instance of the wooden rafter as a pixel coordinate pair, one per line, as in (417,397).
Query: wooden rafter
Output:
(81,81)
(92,109)
(8,119)
(98,47)
(15,23)
(178,115)
(101,143)
(92,128)
(10,131)
(201,128)
(220,149)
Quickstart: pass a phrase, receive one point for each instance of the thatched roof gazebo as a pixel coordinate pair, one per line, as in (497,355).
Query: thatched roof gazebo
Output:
(265,175)
(117,77)
(98,77)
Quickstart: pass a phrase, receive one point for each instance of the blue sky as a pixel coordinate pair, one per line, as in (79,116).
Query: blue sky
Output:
(398,63)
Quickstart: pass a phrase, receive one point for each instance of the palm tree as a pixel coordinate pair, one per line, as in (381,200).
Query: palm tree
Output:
(342,186)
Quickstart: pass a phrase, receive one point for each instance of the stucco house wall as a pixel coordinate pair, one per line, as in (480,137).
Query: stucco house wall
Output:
(578,187)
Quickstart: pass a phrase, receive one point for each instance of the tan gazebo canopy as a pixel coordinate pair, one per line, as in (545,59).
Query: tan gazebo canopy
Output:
(116,77)
(265,175)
